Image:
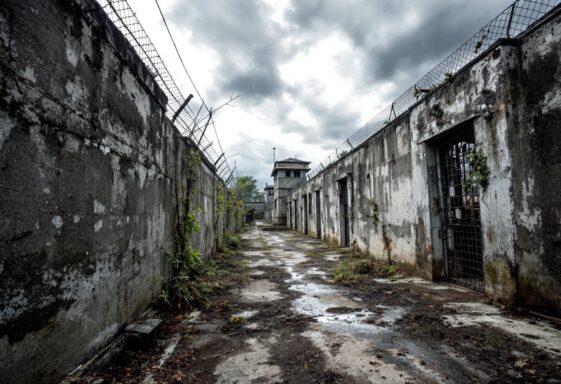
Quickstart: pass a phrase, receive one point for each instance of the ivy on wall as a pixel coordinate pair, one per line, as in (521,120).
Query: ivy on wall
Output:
(190,282)
(479,174)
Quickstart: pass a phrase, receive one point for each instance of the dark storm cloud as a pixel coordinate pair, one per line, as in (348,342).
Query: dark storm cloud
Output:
(335,122)
(393,43)
(395,36)
(247,42)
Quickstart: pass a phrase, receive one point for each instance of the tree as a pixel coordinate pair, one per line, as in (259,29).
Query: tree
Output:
(247,188)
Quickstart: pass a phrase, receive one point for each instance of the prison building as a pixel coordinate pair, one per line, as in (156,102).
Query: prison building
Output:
(464,183)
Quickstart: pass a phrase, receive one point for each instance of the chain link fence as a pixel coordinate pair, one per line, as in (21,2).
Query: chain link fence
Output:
(514,20)
(192,120)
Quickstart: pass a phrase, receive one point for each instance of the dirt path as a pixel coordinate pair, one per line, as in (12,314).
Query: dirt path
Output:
(284,320)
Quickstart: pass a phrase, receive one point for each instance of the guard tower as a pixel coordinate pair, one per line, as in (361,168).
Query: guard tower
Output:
(287,174)
(269,201)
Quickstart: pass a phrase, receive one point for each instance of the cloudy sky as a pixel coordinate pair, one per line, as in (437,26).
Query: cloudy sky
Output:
(308,72)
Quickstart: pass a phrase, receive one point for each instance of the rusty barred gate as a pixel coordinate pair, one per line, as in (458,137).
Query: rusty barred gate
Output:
(461,226)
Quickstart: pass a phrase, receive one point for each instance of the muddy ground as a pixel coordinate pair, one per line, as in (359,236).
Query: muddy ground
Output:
(280,317)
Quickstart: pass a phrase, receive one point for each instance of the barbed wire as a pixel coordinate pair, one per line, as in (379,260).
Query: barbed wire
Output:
(513,21)
(190,123)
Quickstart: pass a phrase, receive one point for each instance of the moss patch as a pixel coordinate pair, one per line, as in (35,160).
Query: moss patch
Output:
(500,282)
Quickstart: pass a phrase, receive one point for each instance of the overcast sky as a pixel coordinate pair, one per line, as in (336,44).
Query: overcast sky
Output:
(309,72)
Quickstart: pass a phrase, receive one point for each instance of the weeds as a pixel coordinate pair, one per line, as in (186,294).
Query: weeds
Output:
(348,270)
(231,241)
(235,320)
(356,264)
(314,253)
(191,280)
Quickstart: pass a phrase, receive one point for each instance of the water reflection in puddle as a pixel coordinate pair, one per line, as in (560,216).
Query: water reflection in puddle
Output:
(317,299)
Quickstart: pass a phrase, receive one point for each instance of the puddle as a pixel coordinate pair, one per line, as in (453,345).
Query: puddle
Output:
(252,326)
(294,276)
(259,291)
(246,314)
(290,258)
(253,253)
(333,257)
(262,263)
(316,271)
(318,301)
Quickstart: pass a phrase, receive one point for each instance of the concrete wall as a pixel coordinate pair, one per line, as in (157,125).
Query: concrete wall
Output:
(89,168)
(255,210)
(535,138)
(510,98)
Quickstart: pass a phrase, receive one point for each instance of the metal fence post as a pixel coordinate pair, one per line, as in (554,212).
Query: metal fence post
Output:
(512,9)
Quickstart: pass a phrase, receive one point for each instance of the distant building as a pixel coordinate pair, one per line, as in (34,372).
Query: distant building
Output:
(254,210)
(288,174)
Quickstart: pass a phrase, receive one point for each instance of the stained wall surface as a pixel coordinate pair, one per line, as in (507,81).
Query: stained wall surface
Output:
(91,173)
(508,100)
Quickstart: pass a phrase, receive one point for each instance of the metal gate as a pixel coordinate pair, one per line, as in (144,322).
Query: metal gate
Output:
(462,223)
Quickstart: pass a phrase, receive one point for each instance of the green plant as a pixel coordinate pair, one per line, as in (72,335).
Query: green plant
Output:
(220,204)
(234,208)
(235,320)
(479,173)
(348,270)
(191,279)
(343,273)
(231,241)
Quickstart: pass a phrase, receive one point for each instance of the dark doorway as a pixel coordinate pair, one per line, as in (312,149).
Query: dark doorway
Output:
(344,209)
(290,215)
(461,227)
(318,215)
(305,198)
(295,206)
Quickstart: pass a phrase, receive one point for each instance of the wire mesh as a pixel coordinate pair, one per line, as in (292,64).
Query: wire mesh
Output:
(513,21)
(192,119)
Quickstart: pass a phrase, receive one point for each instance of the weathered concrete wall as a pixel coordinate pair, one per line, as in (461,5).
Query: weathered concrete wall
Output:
(510,99)
(535,141)
(89,168)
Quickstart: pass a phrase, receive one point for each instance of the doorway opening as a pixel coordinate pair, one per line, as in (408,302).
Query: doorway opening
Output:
(461,225)
(344,209)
